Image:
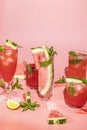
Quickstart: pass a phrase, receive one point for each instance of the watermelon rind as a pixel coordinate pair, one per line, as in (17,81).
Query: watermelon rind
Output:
(37,50)
(20,77)
(49,84)
(50,69)
(11,44)
(74,80)
(59,120)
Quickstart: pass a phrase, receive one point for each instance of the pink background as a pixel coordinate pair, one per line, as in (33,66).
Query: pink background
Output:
(58,23)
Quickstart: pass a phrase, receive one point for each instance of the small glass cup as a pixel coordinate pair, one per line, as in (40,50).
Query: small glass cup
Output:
(75,94)
(32,76)
(77,64)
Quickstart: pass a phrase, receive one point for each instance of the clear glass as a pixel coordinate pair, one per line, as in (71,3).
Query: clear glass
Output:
(46,80)
(8,63)
(32,77)
(77,66)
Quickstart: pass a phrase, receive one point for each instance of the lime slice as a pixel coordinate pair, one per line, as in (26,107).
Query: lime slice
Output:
(12,44)
(75,80)
(12,104)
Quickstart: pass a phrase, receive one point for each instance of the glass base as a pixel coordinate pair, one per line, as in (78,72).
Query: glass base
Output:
(9,95)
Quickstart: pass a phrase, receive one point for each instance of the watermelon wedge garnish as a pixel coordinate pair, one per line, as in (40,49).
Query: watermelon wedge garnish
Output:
(20,71)
(43,58)
(56,117)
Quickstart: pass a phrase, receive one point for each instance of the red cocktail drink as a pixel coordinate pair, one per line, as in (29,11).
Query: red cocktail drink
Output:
(77,64)
(75,94)
(32,76)
(8,62)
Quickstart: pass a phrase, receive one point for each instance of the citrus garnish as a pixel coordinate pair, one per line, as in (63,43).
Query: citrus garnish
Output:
(12,44)
(12,104)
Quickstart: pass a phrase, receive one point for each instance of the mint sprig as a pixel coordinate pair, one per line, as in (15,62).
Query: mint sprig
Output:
(61,80)
(16,85)
(45,63)
(51,51)
(30,68)
(73,54)
(28,104)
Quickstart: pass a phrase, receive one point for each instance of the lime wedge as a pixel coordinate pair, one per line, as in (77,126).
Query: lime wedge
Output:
(12,104)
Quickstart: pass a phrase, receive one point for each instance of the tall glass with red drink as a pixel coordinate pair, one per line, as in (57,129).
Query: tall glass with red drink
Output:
(8,63)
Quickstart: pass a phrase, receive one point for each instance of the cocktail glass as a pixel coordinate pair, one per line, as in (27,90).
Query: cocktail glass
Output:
(77,64)
(8,62)
(31,76)
(75,94)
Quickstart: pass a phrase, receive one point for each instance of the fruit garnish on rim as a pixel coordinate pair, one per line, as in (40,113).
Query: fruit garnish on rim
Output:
(12,44)
(20,71)
(43,58)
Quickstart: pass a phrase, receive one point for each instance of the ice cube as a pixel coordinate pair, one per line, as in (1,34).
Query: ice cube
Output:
(2,57)
(9,59)
(8,52)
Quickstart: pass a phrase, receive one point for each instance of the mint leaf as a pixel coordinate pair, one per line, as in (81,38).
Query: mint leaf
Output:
(23,104)
(61,80)
(16,85)
(28,104)
(2,84)
(45,63)
(73,54)
(2,48)
(30,68)
(84,81)
(51,51)
(71,88)
(76,61)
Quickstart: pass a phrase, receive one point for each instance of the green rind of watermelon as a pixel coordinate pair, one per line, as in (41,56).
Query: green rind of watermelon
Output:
(40,55)
(60,120)
(50,76)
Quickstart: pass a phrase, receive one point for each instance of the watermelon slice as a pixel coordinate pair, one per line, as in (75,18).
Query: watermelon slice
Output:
(56,117)
(45,68)
(20,71)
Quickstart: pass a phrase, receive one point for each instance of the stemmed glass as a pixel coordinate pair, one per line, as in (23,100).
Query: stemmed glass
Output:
(8,63)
